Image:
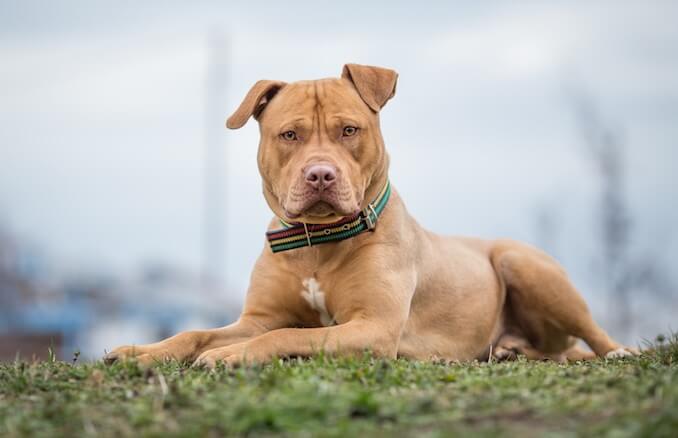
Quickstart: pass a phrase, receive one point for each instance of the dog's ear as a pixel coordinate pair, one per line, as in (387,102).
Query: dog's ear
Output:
(254,103)
(375,85)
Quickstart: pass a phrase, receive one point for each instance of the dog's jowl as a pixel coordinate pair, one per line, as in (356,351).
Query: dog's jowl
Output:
(346,269)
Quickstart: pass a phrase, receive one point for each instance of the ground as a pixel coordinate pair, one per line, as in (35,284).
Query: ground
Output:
(347,397)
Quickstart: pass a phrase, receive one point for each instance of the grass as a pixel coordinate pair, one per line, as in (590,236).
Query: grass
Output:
(323,396)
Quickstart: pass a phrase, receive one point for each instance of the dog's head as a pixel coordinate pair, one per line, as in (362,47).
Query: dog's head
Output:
(321,153)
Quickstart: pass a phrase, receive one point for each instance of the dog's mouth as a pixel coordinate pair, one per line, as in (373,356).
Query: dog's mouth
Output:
(304,203)
(319,208)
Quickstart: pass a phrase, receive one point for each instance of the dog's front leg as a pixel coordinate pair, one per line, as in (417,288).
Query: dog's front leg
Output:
(379,337)
(372,315)
(186,346)
(264,310)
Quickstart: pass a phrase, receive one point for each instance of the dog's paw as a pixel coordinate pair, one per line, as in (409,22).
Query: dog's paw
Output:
(231,356)
(501,354)
(621,352)
(143,356)
(123,353)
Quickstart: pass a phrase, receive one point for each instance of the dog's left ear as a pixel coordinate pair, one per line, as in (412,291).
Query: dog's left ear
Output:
(376,85)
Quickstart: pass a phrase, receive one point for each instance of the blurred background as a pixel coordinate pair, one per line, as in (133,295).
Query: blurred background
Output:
(128,212)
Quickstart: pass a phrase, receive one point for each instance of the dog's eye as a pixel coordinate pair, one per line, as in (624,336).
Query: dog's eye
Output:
(350,131)
(289,135)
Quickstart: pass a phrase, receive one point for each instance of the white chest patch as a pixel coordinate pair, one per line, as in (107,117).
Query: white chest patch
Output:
(316,299)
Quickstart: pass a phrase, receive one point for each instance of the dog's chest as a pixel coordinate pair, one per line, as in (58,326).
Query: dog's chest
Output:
(316,300)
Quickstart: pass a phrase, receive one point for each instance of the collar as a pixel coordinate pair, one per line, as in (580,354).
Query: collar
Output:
(300,234)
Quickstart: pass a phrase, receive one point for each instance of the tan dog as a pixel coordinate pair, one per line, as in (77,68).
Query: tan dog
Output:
(396,291)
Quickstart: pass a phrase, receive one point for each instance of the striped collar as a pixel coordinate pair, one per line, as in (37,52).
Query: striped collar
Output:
(297,235)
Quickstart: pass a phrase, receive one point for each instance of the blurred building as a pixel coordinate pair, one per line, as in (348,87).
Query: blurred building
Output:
(44,309)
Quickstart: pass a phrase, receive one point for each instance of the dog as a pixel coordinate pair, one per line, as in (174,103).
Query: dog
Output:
(346,269)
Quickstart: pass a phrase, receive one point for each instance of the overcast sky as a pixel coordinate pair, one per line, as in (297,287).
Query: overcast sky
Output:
(103,121)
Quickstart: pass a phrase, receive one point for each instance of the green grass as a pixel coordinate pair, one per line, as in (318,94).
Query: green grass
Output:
(346,397)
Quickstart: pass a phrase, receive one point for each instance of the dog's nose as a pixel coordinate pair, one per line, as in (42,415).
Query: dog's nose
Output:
(320,176)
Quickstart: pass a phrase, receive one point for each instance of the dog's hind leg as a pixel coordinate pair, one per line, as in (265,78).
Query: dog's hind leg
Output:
(576,353)
(510,346)
(545,305)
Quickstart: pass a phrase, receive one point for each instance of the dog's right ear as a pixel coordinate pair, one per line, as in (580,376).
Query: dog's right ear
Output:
(254,103)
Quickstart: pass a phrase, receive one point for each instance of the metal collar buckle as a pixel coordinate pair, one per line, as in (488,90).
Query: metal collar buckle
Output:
(367,213)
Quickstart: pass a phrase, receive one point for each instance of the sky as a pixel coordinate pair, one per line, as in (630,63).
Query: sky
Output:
(104,117)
